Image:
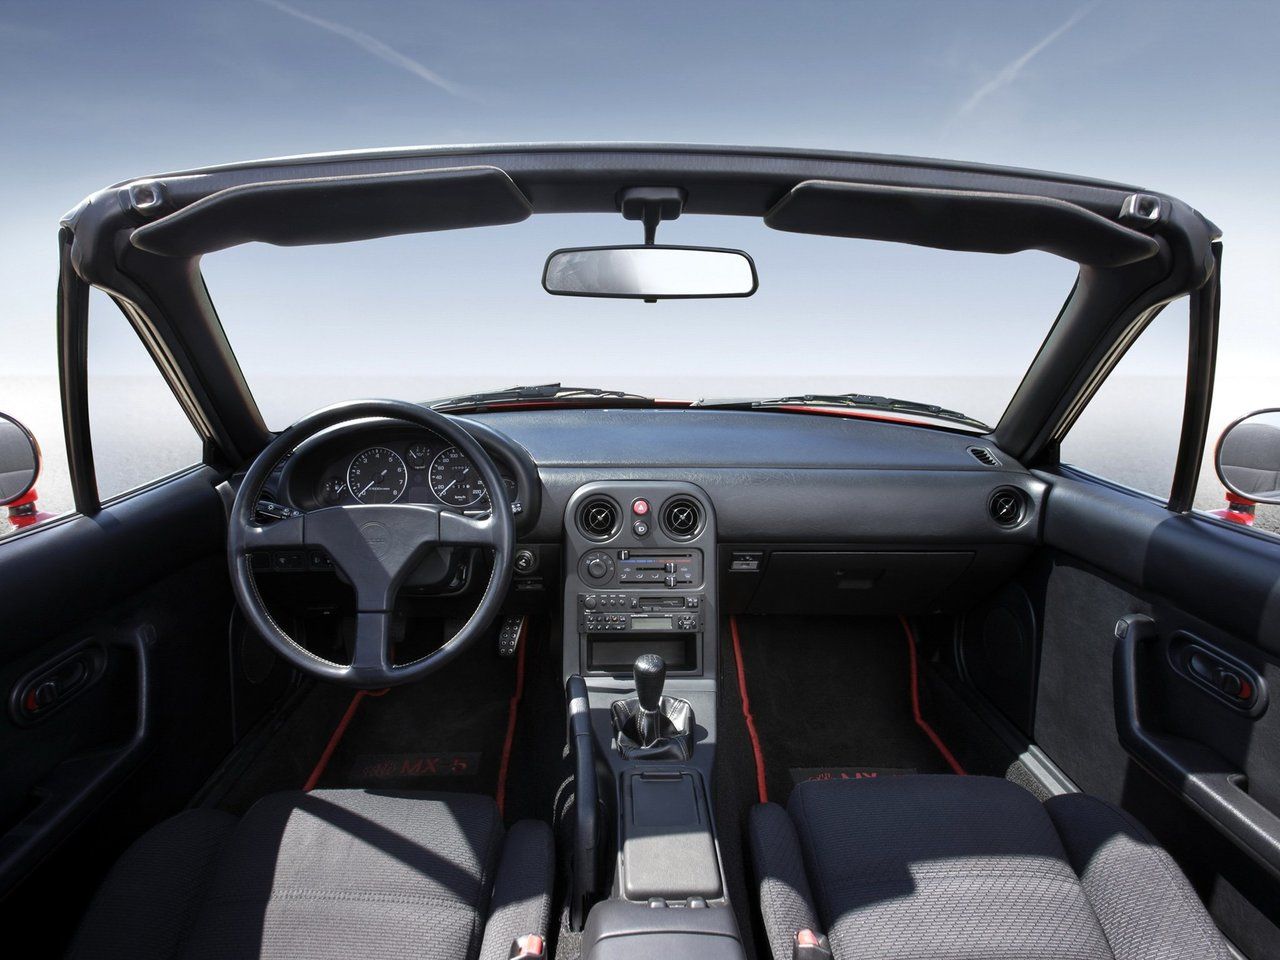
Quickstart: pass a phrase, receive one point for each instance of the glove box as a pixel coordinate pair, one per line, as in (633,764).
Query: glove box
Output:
(834,582)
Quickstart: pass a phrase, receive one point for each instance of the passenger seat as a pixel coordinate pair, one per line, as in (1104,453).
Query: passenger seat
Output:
(969,867)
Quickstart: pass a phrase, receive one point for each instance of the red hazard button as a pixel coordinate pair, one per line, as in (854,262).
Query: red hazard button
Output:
(640,507)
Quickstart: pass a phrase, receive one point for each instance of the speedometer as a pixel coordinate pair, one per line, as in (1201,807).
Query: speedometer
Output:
(455,480)
(377,475)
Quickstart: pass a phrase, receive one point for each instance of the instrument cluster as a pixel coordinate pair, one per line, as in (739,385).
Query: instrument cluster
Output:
(419,468)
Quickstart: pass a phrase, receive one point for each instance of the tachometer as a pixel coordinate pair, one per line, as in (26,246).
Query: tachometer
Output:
(377,475)
(455,480)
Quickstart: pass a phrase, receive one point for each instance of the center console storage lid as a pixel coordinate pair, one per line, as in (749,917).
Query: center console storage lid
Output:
(617,930)
(668,849)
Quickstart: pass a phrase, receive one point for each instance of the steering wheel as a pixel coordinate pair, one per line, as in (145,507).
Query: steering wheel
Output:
(375,545)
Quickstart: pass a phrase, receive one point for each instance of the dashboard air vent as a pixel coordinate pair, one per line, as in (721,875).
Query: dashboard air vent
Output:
(682,518)
(598,518)
(984,456)
(1007,507)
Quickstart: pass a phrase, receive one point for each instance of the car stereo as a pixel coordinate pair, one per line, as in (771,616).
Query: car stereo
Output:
(636,613)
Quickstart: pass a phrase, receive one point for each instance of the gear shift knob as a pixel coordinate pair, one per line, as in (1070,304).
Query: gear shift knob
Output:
(650,672)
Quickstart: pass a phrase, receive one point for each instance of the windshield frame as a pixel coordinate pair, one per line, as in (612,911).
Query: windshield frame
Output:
(183,332)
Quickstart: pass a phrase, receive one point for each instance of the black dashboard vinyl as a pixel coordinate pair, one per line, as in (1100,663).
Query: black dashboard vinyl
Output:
(780,478)
(784,477)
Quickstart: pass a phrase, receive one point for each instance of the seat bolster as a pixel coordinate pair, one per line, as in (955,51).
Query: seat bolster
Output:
(786,901)
(1147,909)
(521,899)
(148,900)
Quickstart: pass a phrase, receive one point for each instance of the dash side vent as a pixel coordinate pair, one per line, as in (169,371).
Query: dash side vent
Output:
(1007,506)
(598,518)
(682,518)
(984,456)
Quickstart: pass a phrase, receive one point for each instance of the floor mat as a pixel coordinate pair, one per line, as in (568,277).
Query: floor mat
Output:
(288,749)
(832,697)
(448,731)
(445,732)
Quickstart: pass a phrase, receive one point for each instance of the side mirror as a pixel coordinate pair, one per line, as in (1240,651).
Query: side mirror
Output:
(19,460)
(1248,457)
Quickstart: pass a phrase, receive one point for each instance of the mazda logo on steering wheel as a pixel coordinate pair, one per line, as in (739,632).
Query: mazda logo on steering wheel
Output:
(377,536)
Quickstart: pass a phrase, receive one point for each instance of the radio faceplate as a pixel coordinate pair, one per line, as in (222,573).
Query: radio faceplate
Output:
(636,613)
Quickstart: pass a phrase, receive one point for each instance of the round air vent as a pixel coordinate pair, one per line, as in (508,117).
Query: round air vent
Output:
(682,518)
(598,518)
(1007,506)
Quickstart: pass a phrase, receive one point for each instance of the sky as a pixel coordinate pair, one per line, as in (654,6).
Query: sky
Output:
(1177,96)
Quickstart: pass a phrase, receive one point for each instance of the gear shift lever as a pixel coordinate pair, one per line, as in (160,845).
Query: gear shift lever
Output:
(650,673)
(650,726)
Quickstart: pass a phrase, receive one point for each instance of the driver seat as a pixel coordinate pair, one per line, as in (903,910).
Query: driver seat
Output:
(342,874)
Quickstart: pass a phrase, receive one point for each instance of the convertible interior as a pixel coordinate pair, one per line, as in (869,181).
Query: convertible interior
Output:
(582,673)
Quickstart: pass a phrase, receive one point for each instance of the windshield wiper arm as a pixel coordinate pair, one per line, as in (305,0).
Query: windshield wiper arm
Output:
(549,392)
(859,401)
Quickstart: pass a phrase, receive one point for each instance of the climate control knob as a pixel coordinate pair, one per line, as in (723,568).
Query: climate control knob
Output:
(598,566)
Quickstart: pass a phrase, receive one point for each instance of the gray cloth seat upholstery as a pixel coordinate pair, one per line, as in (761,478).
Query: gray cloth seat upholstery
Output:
(970,867)
(330,874)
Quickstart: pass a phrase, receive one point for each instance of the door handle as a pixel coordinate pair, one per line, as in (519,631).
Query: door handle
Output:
(1219,674)
(1203,779)
(51,686)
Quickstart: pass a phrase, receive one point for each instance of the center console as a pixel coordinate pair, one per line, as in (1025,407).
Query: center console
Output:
(639,578)
(640,662)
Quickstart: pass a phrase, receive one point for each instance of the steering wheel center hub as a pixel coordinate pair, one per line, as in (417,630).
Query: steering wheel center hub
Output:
(378,537)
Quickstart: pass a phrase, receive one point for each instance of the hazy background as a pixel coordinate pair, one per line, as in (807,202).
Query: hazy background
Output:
(1176,96)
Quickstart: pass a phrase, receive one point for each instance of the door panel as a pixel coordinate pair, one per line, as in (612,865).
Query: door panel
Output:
(138,595)
(1109,555)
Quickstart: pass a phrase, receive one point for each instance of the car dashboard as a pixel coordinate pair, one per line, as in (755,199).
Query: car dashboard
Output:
(811,513)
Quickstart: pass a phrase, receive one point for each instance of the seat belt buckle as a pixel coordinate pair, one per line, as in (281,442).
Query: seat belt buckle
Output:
(528,947)
(810,946)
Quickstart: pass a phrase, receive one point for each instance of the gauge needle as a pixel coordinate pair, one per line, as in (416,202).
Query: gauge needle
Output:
(366,489)
(446,489)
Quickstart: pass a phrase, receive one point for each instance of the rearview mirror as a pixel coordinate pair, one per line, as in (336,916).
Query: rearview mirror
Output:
(19,460)
(649,272)
(1248,457)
